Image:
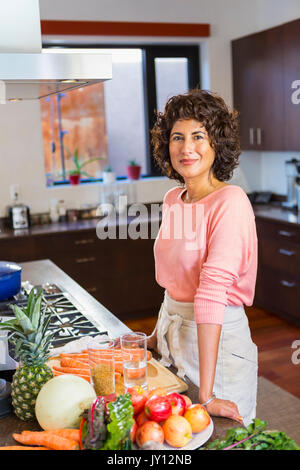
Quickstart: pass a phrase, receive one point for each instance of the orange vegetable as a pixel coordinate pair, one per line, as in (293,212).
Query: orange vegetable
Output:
(23,448)
(72,370)
(67,433)
(56,373)
(69,362)
(52,441)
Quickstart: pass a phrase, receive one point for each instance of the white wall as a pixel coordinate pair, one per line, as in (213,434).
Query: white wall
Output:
(21,149)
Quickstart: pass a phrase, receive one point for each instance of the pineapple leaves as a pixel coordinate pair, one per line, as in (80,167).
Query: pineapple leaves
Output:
(35,310)
(22,319)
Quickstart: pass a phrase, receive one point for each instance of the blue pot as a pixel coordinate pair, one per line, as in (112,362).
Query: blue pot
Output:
(10,279)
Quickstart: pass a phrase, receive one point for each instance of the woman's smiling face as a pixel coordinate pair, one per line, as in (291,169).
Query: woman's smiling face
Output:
(190,151)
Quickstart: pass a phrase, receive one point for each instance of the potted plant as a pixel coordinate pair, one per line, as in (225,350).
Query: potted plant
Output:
(108,175)
(75,175)
(133,170)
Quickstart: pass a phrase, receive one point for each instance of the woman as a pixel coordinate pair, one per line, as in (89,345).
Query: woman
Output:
(208,273)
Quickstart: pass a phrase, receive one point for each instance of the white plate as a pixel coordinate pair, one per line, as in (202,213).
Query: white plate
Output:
(197,440)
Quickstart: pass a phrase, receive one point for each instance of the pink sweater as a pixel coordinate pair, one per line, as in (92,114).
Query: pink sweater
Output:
(206,252)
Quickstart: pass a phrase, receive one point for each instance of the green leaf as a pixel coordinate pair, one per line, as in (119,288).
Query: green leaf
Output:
(121,416)
(23,320)
(87,162)
(36,309)
(30,303)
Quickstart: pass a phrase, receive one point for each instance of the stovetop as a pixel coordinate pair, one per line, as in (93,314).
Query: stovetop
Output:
(68,320)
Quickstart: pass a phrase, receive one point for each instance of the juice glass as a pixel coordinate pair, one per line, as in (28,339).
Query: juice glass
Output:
(102,366)
(134,355)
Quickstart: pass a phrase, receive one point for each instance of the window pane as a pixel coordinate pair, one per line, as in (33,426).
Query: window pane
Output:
(124,110)
(74,120)
(171,75)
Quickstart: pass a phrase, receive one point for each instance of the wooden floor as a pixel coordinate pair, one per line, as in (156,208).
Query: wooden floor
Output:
(273,337)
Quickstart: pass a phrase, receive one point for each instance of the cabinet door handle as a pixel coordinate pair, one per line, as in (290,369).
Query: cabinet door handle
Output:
(86,260)
(251,135)
(285,233)
(287,283)
(258,135)
(84,241)
(282,251)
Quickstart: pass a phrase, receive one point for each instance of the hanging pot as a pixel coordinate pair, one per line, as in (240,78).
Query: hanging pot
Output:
(10,279)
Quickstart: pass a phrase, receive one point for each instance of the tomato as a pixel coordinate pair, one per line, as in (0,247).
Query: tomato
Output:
(158,408)
(149,431)
(178,403)
(198,417)
(141,418)
(138,398)
(133,431)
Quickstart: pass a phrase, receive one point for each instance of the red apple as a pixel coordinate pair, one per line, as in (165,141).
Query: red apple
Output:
(158,408)
(138,398)
(178,403)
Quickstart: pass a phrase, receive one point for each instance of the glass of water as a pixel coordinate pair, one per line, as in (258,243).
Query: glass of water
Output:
(134,355)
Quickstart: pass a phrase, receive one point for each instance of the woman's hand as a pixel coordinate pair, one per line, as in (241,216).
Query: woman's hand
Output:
(224,408)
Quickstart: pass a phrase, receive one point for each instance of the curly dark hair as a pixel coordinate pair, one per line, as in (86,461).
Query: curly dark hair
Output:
(220,123)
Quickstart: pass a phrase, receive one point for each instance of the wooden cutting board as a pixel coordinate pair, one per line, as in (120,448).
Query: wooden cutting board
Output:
(157,376)
(160,376)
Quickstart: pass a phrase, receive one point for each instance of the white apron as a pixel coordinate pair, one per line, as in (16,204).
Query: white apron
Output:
(236,370)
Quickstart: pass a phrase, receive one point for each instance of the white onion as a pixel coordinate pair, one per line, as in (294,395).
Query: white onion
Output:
(62,400)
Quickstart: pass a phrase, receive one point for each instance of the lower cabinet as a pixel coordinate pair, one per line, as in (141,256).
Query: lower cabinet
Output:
(119,273)
(278,277)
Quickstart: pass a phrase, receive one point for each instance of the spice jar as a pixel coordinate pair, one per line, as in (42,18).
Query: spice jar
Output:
(102,365)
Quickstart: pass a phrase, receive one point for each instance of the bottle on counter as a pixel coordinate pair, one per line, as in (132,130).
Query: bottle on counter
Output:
(54,214)
(62,211)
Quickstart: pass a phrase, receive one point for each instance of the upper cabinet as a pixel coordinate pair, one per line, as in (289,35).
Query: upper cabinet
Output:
(291,84)
(265,67)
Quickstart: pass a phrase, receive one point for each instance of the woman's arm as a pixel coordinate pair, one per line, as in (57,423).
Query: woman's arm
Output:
(208,344)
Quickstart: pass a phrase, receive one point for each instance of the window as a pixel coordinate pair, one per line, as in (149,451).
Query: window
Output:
(112,120)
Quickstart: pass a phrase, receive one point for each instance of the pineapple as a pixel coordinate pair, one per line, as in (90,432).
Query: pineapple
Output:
(32,342)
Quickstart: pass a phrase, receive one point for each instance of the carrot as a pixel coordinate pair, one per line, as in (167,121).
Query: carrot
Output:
(23,448)
(69,362)
(81,357)
(71,370)
(48,440)
(72,434)
(85,377)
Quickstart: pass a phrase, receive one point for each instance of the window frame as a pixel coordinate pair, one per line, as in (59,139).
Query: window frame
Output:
(191,51)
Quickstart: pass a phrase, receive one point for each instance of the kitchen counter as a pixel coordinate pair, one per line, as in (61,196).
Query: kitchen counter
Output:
(86,224)
(267,211)
(277,213)
(270,397)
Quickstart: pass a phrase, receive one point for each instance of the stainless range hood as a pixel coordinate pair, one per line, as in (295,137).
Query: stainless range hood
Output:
(27,72)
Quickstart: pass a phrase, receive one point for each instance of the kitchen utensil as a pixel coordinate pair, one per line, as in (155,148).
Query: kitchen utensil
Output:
(10,279)
(5,398)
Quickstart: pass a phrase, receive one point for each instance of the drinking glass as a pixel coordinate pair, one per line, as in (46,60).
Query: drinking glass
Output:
(102,365)
(134,355)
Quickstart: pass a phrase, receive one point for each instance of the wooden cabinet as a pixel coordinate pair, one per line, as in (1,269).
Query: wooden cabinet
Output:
(278,279)
(291,67)
(258,89)
(119,273)
(266,88)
